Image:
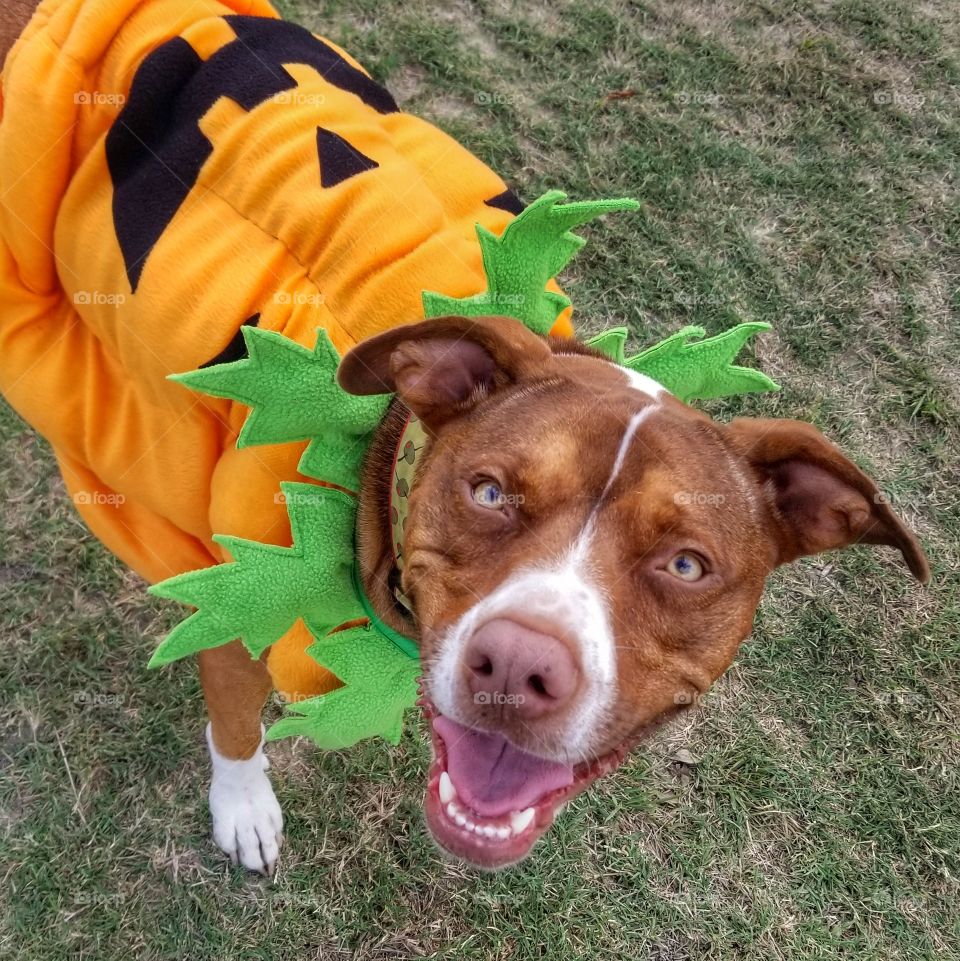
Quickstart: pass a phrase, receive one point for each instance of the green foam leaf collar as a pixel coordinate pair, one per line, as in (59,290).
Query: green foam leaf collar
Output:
(689,367)
(380,683)
(293,395)
(533,248)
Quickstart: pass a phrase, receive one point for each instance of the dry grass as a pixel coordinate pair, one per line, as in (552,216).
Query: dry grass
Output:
(814,813)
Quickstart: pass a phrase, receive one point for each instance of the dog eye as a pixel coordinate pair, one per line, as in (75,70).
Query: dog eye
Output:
(686,566)
(488,494)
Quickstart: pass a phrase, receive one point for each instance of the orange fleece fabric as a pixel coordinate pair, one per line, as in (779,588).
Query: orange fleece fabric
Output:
(308,201)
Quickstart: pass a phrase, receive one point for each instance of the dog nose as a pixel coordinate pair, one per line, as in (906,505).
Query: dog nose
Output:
(512,665)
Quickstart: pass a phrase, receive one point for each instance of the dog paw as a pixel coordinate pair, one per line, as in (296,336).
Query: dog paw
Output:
(247,821)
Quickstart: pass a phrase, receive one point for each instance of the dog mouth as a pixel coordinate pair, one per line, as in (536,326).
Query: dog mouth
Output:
(488,802)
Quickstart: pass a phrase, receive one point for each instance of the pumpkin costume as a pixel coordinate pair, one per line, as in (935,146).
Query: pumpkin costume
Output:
(172,171)
(203,187)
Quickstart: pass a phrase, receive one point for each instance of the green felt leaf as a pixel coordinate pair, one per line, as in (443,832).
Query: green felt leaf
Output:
(261,593)
(380,684)
(362,657)
(293,395)
(695,369)
(535,246)
(611,342)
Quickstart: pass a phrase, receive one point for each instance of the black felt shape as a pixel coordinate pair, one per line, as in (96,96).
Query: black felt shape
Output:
(155,148)
(236,349)
(339,159)
(284,42)
(508,201)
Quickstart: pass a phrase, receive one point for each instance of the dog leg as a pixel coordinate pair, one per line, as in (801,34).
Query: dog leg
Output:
(247,822)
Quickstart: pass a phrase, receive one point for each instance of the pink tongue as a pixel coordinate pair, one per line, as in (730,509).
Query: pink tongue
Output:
(491,775)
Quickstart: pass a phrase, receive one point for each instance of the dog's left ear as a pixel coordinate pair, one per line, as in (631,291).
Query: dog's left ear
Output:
(818,499)
(442,367)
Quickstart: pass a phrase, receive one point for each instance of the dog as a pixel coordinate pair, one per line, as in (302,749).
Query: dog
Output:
(570,585)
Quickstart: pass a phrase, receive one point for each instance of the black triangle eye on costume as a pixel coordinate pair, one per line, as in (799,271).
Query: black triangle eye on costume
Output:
(339,160)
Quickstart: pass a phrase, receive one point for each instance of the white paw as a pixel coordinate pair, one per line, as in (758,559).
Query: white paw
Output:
(247,822)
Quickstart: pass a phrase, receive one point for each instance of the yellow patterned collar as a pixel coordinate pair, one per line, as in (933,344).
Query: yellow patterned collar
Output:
(406,460)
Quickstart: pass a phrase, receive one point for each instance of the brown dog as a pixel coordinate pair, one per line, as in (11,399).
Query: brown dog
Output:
(584,554)
(608,582)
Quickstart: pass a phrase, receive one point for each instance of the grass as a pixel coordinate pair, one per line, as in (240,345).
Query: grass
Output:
(797,163)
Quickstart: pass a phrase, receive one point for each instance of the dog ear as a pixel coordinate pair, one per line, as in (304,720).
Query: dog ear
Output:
(819,499)
(443,366)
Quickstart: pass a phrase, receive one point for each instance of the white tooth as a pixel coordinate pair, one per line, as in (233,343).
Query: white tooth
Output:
(452,810)
(503,833)
(490,831)
(469,825)
(520,820)
(448,792)
(460,819)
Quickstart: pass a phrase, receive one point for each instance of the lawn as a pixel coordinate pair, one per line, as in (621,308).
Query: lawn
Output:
(797,163)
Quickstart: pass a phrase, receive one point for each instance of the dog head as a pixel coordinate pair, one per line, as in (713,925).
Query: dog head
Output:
(584,554)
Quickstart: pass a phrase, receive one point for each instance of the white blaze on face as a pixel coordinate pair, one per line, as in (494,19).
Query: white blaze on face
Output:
(559,597)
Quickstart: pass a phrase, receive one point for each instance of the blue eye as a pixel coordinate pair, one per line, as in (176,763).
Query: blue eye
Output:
(488,494)
(686,567)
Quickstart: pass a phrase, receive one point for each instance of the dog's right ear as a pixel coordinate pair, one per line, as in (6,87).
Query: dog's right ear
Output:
(442,367)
